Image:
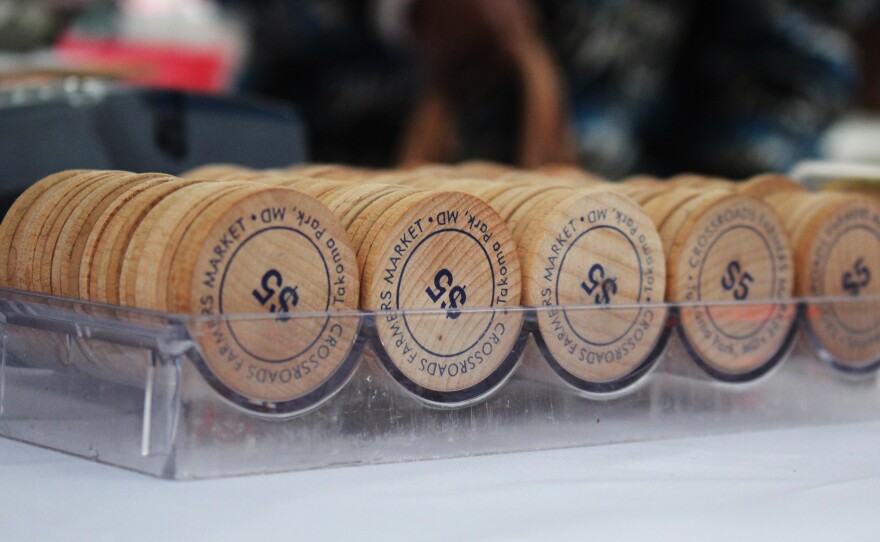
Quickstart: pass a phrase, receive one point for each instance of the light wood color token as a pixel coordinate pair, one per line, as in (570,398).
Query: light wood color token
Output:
(484,169)
(723,247)
(362,224)
(216,171)
(276,252)
(446,253)
(47,244)
(70,247)
(595,249)
(16,214)
(36,223)
(762,186)
(105,248)
(838,255)
(148,254)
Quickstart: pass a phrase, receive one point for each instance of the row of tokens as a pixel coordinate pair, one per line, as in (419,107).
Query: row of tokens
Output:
(582,242)
(469,244)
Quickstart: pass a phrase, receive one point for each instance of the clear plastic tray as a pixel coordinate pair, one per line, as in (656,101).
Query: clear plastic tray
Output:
(129,388)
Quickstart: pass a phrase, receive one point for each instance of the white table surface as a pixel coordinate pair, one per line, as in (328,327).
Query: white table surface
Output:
(818,483)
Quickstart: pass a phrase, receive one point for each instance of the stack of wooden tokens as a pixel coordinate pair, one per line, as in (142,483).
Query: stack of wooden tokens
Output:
(440,265)
(444,256)
(837,254)
(208,248)
(555,224)
(731,271)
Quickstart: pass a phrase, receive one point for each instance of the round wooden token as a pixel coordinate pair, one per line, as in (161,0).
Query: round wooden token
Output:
(348,217)
(333,172)
(838,255)
(640,194)
(147,257)
(731,249)
(70,247)
(275,252)
(791,207)
(490,192)
(216,171)
(692,180)
(315,187)
(47,246)
(468,186)
(342,203)
(762,186)
(520,219)
(362,224)
(585,254)
(40,220)
(645,181)
(17,212)
(661,206)
(484,169)
(569,171)
(507,203)
(445,253)
(814,205)
(105,248)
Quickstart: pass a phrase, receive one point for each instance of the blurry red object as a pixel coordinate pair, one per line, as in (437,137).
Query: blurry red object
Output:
(156,65)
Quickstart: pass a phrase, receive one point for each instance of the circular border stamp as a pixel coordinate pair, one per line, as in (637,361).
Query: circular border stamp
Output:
(731,265)
(443,270)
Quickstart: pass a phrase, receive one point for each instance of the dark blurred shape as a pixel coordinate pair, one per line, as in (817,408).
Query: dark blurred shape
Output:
(729,87)
(869,62)
(28,24)
(137,130)
(327,56)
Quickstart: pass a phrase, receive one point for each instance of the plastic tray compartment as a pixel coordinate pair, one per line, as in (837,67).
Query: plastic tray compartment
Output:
(130,388)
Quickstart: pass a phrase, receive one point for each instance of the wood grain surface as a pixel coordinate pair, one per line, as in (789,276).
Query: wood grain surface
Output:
(447,252)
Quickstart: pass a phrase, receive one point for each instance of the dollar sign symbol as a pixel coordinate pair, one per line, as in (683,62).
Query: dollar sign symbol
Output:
(288,298)
(457,297)
(860,271)
(609,289)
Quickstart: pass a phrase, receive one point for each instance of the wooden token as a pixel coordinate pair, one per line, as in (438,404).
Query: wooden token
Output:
(762,186)
(315,187)
(468,186)
(569,171)
(40,219)
(645,181)
(444,252)
(356,196)
(333,172)
(105,248)
(348,217)
(16,213)
(638,193)
(838,256)
(362,224)
(791,207)
(276,252)
(506,204)
(732,249)
(70,247)
(484,169)
(692,180)
(46,248)
(490,192)
(869,187)
(519,219)
(216,171)
(660,207)
(147,258)
(585,254)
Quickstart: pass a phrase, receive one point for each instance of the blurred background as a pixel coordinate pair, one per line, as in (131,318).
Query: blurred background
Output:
(728,88)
